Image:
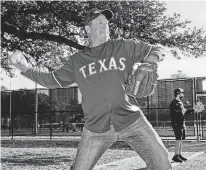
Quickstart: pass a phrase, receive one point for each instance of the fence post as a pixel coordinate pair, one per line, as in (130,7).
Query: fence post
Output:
(50,126)
(50,110)
(12,116)
(196,114)
(200,127)
(201,124)
(36,111)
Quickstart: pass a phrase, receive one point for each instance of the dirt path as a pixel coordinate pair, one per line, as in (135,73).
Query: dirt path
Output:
(39,155)
(197,163)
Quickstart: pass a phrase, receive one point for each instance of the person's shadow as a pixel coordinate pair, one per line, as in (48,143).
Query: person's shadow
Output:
(35,160)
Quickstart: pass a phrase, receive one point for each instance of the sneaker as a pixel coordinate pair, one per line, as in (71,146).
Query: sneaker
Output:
(181,157)
(176,158)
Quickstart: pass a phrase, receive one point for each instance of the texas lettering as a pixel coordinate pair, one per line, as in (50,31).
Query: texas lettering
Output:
(106,64)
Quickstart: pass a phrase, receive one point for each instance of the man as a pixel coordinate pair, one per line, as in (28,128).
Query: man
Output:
(73,122)
(177,112)
(101,71)
(199,107)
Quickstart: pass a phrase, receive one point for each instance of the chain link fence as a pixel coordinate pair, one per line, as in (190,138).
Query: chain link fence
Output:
(58,112)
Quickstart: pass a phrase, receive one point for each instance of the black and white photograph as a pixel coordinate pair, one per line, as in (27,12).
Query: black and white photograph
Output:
(103,85)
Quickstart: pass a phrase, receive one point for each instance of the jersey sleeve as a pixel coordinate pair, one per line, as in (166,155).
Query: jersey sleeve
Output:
(56,79)
(138,51)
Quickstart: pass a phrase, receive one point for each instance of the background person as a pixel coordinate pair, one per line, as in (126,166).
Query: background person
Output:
(72,123)
(177,112)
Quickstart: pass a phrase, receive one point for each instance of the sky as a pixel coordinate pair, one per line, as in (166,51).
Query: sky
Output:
(194,67)
(195,12)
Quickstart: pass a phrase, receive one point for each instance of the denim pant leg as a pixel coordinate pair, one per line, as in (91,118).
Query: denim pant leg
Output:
(142,137)
(91,148)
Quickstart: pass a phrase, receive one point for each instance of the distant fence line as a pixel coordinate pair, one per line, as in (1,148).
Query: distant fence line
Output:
(58,111)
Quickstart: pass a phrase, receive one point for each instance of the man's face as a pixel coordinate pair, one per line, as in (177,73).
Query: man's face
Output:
(99,28)
(182,95)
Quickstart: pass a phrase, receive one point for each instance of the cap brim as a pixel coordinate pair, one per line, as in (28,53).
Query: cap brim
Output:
(108,14)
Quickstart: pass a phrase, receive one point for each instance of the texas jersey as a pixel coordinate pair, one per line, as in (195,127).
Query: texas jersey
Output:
(100,73)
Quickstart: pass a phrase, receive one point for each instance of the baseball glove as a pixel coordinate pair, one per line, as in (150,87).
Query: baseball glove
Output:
(142,81)
(198,108)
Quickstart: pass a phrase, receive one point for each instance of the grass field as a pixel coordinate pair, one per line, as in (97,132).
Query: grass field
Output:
(43,155)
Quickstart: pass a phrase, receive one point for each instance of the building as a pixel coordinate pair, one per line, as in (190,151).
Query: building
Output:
(64,97)
(179,74)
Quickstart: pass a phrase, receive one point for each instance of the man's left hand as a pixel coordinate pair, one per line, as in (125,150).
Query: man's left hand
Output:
(142,81)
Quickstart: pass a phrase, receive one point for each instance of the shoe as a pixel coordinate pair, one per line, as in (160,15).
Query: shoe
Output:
(176,158)
(181,157)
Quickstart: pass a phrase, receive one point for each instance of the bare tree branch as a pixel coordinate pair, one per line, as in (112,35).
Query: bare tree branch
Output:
(23,35)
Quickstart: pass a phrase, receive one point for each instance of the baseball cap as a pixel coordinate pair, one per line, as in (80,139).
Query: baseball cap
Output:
(178,91)
(95,13)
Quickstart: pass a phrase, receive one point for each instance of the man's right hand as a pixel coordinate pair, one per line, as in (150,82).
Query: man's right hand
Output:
(184,110)
(18,60)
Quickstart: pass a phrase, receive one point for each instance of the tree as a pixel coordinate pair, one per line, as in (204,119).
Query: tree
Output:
(5,103)
(45,104)
(3,88)
(51,31)
(47,108)
(23,101)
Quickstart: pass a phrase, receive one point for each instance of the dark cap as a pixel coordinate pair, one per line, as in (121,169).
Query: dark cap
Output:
(178,91)
(95,13)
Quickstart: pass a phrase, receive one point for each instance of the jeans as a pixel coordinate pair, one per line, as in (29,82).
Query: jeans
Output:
(140,136)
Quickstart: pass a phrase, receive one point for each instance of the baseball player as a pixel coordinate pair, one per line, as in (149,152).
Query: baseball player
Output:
(101,72)
(177,112)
